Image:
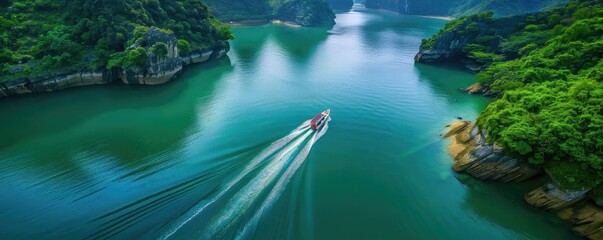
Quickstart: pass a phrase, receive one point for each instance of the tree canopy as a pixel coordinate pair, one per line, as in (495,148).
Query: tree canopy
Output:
(550,110)
(42,35)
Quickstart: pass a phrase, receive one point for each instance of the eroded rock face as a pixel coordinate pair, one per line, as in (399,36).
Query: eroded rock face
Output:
(552,197)
(588,221)
(474,156)
(448,44)
(446,47)
(307,13)
(158,70)
(162,69)
(53,83)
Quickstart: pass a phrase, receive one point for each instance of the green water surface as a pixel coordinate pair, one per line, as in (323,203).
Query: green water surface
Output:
(125,162)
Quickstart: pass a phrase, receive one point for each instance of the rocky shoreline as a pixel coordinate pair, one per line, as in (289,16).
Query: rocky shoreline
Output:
(158,71)
(476,157)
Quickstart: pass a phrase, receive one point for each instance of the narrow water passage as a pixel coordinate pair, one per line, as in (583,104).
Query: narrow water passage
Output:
(223,150)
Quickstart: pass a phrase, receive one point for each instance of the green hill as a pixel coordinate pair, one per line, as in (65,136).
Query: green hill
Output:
(547,70)
(42,36)
(303,12)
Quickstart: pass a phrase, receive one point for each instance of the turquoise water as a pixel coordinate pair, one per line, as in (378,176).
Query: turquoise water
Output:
(223,151)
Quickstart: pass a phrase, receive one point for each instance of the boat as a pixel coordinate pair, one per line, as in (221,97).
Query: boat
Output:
(320,119)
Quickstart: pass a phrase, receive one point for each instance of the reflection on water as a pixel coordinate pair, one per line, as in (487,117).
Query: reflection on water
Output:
(204,156)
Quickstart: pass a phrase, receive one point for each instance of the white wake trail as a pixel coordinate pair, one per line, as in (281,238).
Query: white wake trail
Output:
(202,205)
(280,186)
(239,204)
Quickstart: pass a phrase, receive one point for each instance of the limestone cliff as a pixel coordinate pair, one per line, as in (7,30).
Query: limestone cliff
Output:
(571,205)
(159,67)
(474,156)
(482,160)
(552,197)
(449,44)
(307,13)
(588,220)
(57,82)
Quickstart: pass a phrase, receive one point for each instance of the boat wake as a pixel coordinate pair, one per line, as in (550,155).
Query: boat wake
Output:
(278,162)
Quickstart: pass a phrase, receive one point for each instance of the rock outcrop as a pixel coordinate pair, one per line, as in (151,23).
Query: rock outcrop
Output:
(552,197)
(448,44)
(307,13)
(478,88)
(58,82)
(588,221)
(571,205)
(482,160)
(474,156)
(157,70)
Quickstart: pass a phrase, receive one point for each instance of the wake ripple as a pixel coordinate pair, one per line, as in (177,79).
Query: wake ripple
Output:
(202,205)
(280,186)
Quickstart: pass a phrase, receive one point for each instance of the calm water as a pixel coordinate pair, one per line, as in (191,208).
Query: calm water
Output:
(223,151)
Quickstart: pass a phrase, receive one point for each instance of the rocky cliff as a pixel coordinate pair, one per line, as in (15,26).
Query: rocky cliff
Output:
(160,66)
(572,205)
(474,156)
(56,82)
(451,43)
(307,13)
(587,219)
(482,160)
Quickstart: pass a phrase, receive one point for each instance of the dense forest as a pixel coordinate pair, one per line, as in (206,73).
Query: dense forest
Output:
(546,70)
(463,7)
(60,35)
(303,12)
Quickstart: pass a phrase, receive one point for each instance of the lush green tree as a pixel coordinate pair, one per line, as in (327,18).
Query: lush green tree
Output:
(183,47)
(546,70)
(42,36)
(550,110)
(160,49)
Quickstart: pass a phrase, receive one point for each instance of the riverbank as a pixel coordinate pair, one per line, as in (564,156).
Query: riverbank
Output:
(79,79)
(474,156)
(262,22)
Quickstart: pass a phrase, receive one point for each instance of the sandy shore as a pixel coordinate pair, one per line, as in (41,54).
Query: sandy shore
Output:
(248,23)
(262,22)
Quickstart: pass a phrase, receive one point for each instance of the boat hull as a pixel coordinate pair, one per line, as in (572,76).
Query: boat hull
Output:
(319,120)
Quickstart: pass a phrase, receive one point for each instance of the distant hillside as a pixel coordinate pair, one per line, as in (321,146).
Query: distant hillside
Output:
(303,12)
(463,7)
(340,4)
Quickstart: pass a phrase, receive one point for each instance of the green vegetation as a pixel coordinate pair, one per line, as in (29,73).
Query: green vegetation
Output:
(43,36)
(304,12)
(548,73)
(464,7)
(503,7)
